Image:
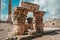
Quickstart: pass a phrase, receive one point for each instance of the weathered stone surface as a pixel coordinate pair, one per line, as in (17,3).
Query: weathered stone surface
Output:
(30,23)
(19,18)
(30,6)
(39,21)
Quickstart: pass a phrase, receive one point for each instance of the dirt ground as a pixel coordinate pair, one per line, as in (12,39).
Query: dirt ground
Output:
(49,37)
(6,28)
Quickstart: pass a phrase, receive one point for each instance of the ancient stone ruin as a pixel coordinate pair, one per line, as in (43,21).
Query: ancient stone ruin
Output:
(9,11)
(20,16)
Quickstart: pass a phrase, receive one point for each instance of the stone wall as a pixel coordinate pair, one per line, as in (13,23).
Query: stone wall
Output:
(52,23)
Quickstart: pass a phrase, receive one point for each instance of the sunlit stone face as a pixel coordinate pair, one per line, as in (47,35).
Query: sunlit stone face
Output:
(19,15)
(19,18)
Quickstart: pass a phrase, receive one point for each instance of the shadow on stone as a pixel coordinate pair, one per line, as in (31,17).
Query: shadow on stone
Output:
(12,38)
(31,37)
(52,32)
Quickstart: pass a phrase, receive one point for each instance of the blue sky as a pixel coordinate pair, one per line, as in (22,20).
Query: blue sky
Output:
(4,13)
(51,7)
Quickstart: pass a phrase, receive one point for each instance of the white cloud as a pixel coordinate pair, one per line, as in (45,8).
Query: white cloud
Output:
(3,5)
(4,17)
(42,4)
(30,14)
(54,8)
(20,3)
